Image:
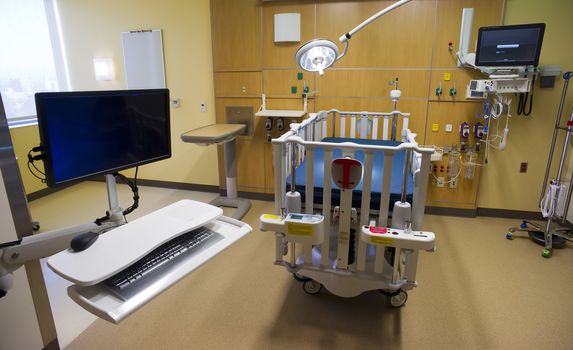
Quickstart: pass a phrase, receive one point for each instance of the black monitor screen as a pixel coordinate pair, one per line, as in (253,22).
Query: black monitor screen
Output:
(515,45)
(101,132)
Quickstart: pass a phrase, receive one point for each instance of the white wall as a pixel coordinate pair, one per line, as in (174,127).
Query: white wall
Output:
(19,327)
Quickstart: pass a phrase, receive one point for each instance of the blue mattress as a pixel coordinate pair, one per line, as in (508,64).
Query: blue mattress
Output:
(378,166)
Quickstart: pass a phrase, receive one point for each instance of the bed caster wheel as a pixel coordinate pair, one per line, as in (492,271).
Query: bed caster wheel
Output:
(311,287)
(399,299)
(300,277)
(509,236)
(546,253)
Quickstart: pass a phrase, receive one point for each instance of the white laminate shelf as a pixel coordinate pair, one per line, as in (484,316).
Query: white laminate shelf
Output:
(276,113)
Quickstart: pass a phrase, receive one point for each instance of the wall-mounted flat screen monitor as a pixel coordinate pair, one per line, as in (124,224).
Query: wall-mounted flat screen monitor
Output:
(513,45)
(92,133)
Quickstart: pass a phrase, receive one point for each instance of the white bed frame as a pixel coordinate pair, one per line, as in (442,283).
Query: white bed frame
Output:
(304,138)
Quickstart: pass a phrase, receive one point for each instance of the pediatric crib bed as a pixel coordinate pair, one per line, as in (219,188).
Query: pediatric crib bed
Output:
(361,128)
(377,171)
(306,153)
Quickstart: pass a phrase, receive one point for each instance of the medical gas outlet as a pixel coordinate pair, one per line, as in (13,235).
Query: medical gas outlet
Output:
(298,228)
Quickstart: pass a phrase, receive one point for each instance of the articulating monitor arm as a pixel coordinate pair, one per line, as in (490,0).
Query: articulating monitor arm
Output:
(15,254)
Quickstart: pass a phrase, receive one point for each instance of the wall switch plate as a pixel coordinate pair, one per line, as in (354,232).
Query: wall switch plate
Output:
(523,167)
(449,128)
(435,127)
(440,182)
(447,76)
(175,102)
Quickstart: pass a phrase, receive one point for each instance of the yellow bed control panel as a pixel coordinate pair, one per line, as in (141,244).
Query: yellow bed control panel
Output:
(392,237)
(300,228)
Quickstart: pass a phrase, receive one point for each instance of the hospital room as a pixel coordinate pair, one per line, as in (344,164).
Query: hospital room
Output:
(277,174)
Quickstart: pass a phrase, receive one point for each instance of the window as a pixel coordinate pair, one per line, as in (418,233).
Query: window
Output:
(32,58)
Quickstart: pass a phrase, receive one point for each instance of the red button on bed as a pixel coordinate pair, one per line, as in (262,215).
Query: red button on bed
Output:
(379,230)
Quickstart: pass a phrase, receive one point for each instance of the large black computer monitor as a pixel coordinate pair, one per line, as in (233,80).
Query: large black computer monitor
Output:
(92,133)
(513,45)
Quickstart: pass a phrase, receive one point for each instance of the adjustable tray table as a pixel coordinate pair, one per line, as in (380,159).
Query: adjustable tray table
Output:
(223,134)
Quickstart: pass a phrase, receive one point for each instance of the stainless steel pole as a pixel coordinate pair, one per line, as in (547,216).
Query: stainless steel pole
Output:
(566,77)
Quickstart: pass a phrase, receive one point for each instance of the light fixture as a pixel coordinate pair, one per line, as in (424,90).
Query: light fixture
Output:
(319,54)
(104,69)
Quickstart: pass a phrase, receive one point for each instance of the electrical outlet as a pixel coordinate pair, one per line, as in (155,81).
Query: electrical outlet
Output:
(449,127)
(523,167)
(202,107)
(454,183)
(440,182)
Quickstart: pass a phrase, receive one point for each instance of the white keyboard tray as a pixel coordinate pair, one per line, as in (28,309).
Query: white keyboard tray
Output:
(100,301)
(115,250)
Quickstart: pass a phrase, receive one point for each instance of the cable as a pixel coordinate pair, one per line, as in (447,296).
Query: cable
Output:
(522,103)
(30,164)
(134,189)
(499,104)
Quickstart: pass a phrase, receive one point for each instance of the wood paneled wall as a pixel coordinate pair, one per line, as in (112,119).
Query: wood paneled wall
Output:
(410,43)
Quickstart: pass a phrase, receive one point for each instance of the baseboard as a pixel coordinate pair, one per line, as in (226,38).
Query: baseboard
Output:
(178,185)
(204,188)
(509,214)
(491,212)
(467,213)
(470,213)
(45,192)
(163,184)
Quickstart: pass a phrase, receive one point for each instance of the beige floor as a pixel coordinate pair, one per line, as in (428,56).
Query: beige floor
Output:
(478,291)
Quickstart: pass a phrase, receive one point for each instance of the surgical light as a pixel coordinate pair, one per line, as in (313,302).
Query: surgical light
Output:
(319,54)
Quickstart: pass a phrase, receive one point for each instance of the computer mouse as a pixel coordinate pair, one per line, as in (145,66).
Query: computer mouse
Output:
(83,241)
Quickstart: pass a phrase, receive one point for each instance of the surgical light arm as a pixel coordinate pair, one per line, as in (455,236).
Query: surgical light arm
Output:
(344,38)
(319,54)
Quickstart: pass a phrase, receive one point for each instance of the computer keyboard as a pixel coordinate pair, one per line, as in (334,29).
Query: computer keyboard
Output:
(148,269)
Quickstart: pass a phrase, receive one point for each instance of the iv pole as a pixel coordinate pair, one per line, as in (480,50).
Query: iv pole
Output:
(548,232)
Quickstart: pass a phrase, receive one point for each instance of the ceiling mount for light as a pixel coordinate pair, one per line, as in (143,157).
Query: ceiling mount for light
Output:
(319,54)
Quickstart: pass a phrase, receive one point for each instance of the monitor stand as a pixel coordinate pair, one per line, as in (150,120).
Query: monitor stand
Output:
(115,213)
